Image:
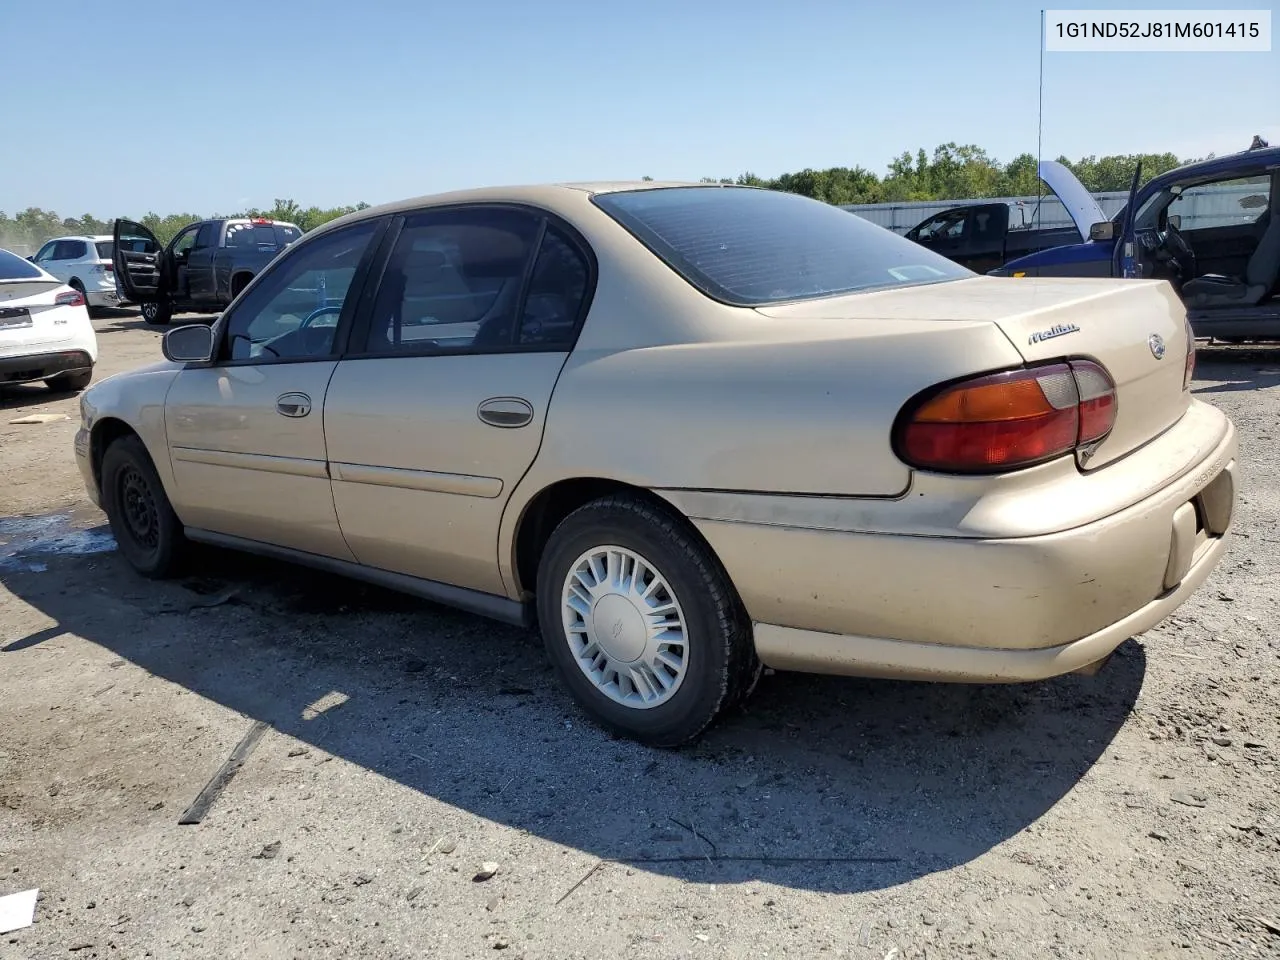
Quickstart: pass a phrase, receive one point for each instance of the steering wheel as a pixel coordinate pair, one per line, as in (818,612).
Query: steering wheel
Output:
(311,317)
(1179,251)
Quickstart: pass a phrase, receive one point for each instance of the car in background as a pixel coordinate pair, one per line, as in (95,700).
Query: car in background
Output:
(1211,228)
(201,270)
(982,236)
(689,430)
(85,264)
(45,331)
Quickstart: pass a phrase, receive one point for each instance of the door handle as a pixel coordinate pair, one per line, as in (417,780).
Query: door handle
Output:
(505,412)
(293,404)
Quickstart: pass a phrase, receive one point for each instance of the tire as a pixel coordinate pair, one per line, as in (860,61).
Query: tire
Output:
(719,662)
(147,531)
(70,381)
(157,312)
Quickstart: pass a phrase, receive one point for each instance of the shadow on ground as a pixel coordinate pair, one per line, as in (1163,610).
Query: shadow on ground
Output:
(1256,367)
(814,774)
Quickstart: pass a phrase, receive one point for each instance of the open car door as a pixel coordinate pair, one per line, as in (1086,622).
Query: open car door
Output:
(1124,262)
(138,258)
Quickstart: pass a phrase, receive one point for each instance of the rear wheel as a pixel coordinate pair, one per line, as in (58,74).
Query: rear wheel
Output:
(70,381)
(142,520)
(641,622)
(158,312)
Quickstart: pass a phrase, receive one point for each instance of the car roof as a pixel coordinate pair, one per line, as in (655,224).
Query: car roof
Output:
(536,194)
(91,238)
(1214,166)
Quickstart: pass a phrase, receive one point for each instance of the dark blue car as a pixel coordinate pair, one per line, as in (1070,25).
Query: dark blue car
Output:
(1212,229)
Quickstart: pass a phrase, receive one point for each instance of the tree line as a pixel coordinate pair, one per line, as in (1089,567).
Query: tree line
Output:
(33,226)
(953,172)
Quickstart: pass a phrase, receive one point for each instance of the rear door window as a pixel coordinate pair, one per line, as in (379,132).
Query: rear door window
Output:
(453,282)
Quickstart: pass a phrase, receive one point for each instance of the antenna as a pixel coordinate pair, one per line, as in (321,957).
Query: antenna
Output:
(1040,131)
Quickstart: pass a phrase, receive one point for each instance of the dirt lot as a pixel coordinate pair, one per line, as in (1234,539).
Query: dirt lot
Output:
(403,745)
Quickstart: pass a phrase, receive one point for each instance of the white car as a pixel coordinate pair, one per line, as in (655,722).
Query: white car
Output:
(45,333)
(84,264)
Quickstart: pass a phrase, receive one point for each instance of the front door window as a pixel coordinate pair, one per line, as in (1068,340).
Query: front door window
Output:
(293,311)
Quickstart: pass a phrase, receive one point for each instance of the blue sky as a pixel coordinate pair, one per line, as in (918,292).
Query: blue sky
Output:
(217,105)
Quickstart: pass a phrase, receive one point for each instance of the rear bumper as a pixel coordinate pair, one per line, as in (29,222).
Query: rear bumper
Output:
(984,609)
(105,297)
(41,366)
(809,651)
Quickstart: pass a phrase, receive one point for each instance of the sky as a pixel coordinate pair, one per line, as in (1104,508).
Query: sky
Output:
(211,107)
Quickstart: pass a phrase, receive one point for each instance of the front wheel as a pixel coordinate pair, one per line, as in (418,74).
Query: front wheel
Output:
(641,622)
(142,520)
(158,312)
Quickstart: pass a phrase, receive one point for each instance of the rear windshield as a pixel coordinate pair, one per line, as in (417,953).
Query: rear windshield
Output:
(261,236)
(104,249)
(13,267)
(750,247)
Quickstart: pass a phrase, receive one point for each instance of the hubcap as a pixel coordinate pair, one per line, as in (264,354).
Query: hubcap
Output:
(150,311)
(139,508)
(624,626)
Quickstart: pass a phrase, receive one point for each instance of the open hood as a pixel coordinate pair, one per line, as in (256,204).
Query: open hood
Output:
(1084,210)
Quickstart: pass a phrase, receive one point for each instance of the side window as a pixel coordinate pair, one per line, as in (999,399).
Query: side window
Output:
(945,226)
(62,250)
(183,243)
(1224,203)
(46,252)
(453,282)
(207,236)
(73,250)
(293,311)
(557,289)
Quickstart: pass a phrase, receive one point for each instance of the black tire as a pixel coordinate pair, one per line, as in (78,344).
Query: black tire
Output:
(70,381)
(722,665)
(156,312)
(147,531)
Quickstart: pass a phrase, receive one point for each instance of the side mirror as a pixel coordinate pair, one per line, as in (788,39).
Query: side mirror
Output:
(1175,221)
(32,258)
(1106,230)
(190,344)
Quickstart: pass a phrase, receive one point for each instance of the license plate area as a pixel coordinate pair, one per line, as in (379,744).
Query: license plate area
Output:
(14,318)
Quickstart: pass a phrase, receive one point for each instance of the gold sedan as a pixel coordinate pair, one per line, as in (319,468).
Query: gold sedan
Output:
(689,430)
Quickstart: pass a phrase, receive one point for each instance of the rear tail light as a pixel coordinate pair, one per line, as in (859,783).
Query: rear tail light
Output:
(72,298)
(1004,421)
(106,268)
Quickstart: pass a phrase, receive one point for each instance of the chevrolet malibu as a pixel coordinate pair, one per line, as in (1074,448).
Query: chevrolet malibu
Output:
(690,431)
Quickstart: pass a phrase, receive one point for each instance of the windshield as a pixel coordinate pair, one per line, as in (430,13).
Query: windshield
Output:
(13,267)
(104,249)
(750,247)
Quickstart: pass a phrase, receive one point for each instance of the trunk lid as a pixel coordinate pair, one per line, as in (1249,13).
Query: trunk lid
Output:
(29,313)
(1135,328)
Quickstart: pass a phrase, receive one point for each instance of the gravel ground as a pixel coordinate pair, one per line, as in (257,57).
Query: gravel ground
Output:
(402,747)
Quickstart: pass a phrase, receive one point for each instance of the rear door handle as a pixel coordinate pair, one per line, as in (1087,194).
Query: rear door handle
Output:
(505,412)
(293,404)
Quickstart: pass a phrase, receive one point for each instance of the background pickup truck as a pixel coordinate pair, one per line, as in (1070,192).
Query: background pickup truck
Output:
(203,268)
(979,235)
